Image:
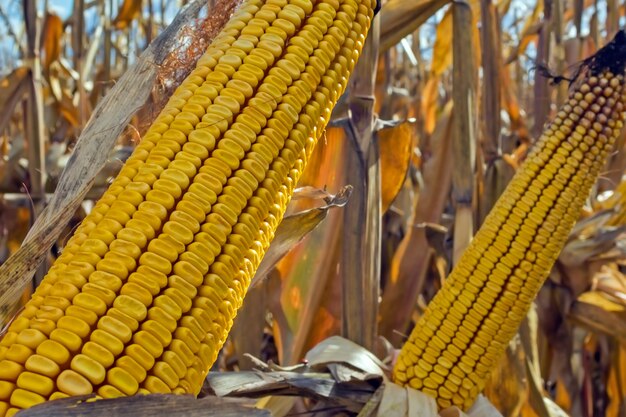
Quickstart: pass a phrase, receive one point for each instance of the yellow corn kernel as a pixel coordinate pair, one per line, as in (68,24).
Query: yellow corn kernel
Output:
(148,287)
(470,321)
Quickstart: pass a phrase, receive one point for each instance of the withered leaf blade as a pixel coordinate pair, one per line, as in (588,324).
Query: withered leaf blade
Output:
(12,89)
(400,18)
(595,312)
(145,405)
(588,226)
(128,11)
(578,251)
(337,349)
(294,228)
(611,283)
(51,37)
(322,386)
(308,191)
(396,147)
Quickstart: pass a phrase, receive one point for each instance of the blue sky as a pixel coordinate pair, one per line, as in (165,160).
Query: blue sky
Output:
(61,7)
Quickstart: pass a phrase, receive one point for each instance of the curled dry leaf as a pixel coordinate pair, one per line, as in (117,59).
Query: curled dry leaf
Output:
(144,406)
(579,250)
(12,90)
(336,349)
(294,228)
(128,11)
(308,191)
(349,397)
(51,38)
(396,148)
(430,96)
(599,314)
(343,376)
(400,18)
(612,283)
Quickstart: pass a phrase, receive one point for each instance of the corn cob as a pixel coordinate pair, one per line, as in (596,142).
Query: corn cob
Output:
(468,324)
(144,293)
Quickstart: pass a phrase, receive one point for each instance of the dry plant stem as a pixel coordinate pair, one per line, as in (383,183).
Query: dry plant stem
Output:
(612,15)
(469,323)
(90,154)
(360,262)
(491,63)
(78,29)
(34,115)
(541,98)
(464,126)
(559,48)
(34,121)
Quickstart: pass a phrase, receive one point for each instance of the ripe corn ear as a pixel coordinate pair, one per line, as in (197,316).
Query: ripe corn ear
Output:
(144,293)
(468,324)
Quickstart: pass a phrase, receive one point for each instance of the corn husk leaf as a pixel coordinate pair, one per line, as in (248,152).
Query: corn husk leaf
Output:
(396,148)
(597,313)
(12,90)
(51,37)
(341,376)
(144,406)
(430,96)
(400,18)
(294,228)
(128,11)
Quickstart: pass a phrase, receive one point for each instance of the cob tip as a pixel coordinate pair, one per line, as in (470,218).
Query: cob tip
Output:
(611,57)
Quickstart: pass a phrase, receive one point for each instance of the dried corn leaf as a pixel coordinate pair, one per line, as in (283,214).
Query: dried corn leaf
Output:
(400,18)
(309,292)
(612,283)
(578,251)
(145,405)
(529,32)
(442,49)
(12,90)
(507,387)
(321,386)
(278,406)
(595,312)
(294,228)
(396,148)
(336,349)
(343,377)
(430,96)
(412,258)
(247,333)
(51,38)
(128,11)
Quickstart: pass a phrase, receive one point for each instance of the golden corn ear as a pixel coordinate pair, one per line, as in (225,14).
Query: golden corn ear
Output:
(143,296)
(468,324)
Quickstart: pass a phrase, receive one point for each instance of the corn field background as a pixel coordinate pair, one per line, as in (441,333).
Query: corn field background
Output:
(442,107)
